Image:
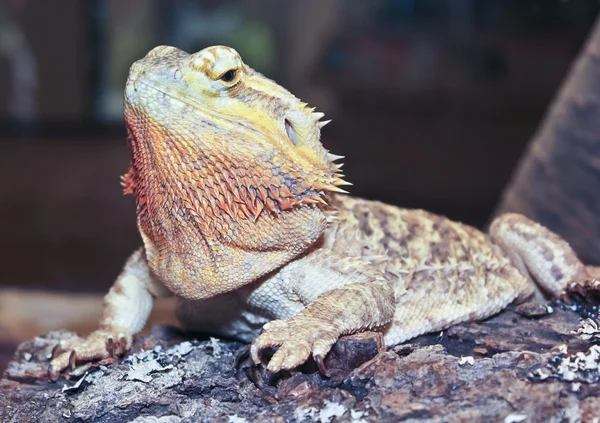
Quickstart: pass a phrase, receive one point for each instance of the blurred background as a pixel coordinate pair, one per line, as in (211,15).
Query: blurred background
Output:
(433,102)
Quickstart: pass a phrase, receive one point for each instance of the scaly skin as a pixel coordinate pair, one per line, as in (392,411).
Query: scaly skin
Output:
(237,210)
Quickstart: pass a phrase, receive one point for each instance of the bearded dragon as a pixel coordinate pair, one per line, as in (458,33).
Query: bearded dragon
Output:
(242,217)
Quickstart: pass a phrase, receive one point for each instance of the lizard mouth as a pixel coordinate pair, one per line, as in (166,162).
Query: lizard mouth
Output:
(233,122)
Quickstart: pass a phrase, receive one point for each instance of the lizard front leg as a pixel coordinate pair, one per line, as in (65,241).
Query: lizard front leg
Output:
(126,309)
(341,296)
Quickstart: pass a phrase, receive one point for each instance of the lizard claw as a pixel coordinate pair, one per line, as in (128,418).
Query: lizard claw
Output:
(72,358)
(52,375)
(124,343)
(98,346)
(55,351)
(321,366)
(110,347)
(297,339)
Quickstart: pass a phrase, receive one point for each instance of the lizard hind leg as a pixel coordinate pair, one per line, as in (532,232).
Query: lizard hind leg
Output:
(546,257)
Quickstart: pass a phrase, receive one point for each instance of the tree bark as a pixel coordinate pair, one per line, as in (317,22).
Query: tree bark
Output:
(557,181)
(507,369)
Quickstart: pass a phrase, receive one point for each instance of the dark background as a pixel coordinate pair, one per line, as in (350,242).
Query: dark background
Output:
(433,102)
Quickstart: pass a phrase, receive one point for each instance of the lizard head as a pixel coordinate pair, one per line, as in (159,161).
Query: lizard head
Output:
(228,170)
(213,112)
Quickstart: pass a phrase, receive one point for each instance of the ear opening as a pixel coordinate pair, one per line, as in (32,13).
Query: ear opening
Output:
(291,132)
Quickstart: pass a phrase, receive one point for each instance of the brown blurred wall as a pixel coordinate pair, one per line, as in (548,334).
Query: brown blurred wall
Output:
(61,71)
(65,225)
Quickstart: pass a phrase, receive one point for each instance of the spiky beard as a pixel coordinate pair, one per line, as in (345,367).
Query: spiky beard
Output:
(173,178)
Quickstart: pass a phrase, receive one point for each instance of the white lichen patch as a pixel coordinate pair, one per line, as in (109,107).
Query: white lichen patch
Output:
(87,378)
(539,374)
(307,414)
(76,386)
(515,418)
(588,329)
(581,367)
(331,410)
(327,413)
(146,363)
(572,368)
(466,360)
(141,370)
(357,416)
(182,349)
(216,347)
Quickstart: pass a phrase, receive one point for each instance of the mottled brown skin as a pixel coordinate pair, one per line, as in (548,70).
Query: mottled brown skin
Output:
(238,210)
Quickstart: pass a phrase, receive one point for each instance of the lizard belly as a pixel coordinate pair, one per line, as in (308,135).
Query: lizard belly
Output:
(226,315)
(241,314)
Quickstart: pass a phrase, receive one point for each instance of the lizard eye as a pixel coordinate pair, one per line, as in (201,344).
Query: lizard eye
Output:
(291,132)
(228,76)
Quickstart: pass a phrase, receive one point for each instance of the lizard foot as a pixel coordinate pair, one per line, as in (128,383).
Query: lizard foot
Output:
(584,295)
(297,339)
(98,345)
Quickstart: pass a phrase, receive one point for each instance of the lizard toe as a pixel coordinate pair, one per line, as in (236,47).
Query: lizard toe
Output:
(320,361)
(323,345)
(273,334)
(297,340)
(98,346)
(261,343)
(289,356)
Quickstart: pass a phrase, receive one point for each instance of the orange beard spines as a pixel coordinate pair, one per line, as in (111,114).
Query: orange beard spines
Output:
(221,197)
(179,182)
(128,182)
(234,193)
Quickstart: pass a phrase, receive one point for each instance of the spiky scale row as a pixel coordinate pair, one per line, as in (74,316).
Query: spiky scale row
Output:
(237,190)
(217,191)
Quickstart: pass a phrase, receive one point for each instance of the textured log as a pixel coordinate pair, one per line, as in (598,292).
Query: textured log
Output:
(512,368)
(558,180)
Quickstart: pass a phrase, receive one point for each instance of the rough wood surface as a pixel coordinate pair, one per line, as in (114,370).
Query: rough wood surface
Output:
(25,314)
(523,365)
(558,179)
